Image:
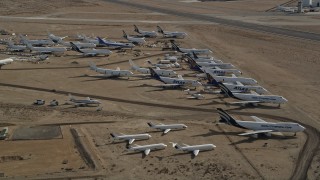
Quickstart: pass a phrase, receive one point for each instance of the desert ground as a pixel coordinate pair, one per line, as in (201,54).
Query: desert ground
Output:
(63,142)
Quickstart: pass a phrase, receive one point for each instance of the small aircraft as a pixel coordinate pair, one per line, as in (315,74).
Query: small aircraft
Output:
(91,52)
(259,126)
(168,34)
(196,96)
(214,80)
(161,72)
(252,98)
(174,65)
(147,148)
(134,40)
(172,59)
(5,62)
(109,73)
(195,149)
(165,128)
(175,82)
(189,51)
(150,34)
(16,48)
(130,137)
(115,45)
(83,102)
(40,42)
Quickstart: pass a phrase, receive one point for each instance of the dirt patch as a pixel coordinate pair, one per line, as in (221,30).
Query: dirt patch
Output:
(37,133)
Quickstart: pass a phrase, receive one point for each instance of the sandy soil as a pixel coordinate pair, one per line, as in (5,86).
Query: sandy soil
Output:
(284,66)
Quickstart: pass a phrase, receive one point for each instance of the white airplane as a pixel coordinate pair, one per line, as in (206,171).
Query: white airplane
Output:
(172,59)
(130,138)
(5,62)
(195,149)
(115,45)
(209,65)
(168,34)
(39,42)
(147,148)
(220,72)
(287,9)
(150,34)
(47,50)
(175,82)
(189,51)
(110,72)
(55,38)
(161,72)
(214,80)
(134,40)
(252,98)
(165,128)
(83,102)
(203,59)
(259,126)
(241,88)
(90,40)
(91,52)
(196,96)
(80,45)
(174,65)
(13,47)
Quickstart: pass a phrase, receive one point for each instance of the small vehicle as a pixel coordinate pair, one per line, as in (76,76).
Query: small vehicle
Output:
(39,102)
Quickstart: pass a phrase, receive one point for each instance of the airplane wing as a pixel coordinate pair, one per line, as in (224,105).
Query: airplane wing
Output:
(90,54)
(244,102)
(166,131)
(257,119)
(239,83)
(196,152)
(233,75)
(131,141)
(147,151)
(255,132)
(167,85)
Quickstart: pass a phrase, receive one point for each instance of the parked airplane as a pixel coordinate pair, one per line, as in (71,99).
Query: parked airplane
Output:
(134,40)
(115,45)
(40,42)
(195,149)
(165,128)
(91,52)
(151,34)
(80,45)
(110,72)
(259,126)
(168,34)
(189,51)
(287,9)
(83,102)
(130,137)
(90,40)
(241,88)
(147,148)
(5,62)
(174,65)
(175,82)
(55,38)
(196,96)
(211,64)
(214,80)
(220,72)
(172,59)
(254,98)
(160,72)
(13,47)
(196,58)
(47,50)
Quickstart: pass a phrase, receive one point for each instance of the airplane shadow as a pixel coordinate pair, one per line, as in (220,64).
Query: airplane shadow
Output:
(213,102)
(214,132)
(263,137)
(260,106)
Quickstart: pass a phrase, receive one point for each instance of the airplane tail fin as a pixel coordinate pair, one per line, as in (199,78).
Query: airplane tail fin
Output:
(174,46)
(150,124)
(160,30)
(136,29)
(193,63)
(92,66)
(113,135)
(10,43)
(101,42)
(226,118)
(133,65)
(125,34)
(154,74)
(175,145)
(225,90)
(75,47)
(70,97)
(211,79)
(194,55)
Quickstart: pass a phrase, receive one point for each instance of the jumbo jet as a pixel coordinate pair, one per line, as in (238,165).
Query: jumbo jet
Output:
(165,128)
(195,149)
(196,58)
(252,98)
(5,62)
(83,102)
(47,50)
(91,52)
(189,51)
(175,82)
(55,38)
(211,64)
(17,48)
(109,73)
(134,40)
(90,40)
(214,80)
(168,34)
(241,88)
(130,137)
(147,148)
(150,34)
(40,42)
(160,72)
(259,126)
(115,45)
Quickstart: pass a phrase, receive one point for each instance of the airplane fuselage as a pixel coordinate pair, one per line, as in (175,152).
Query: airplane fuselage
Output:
(280,127)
